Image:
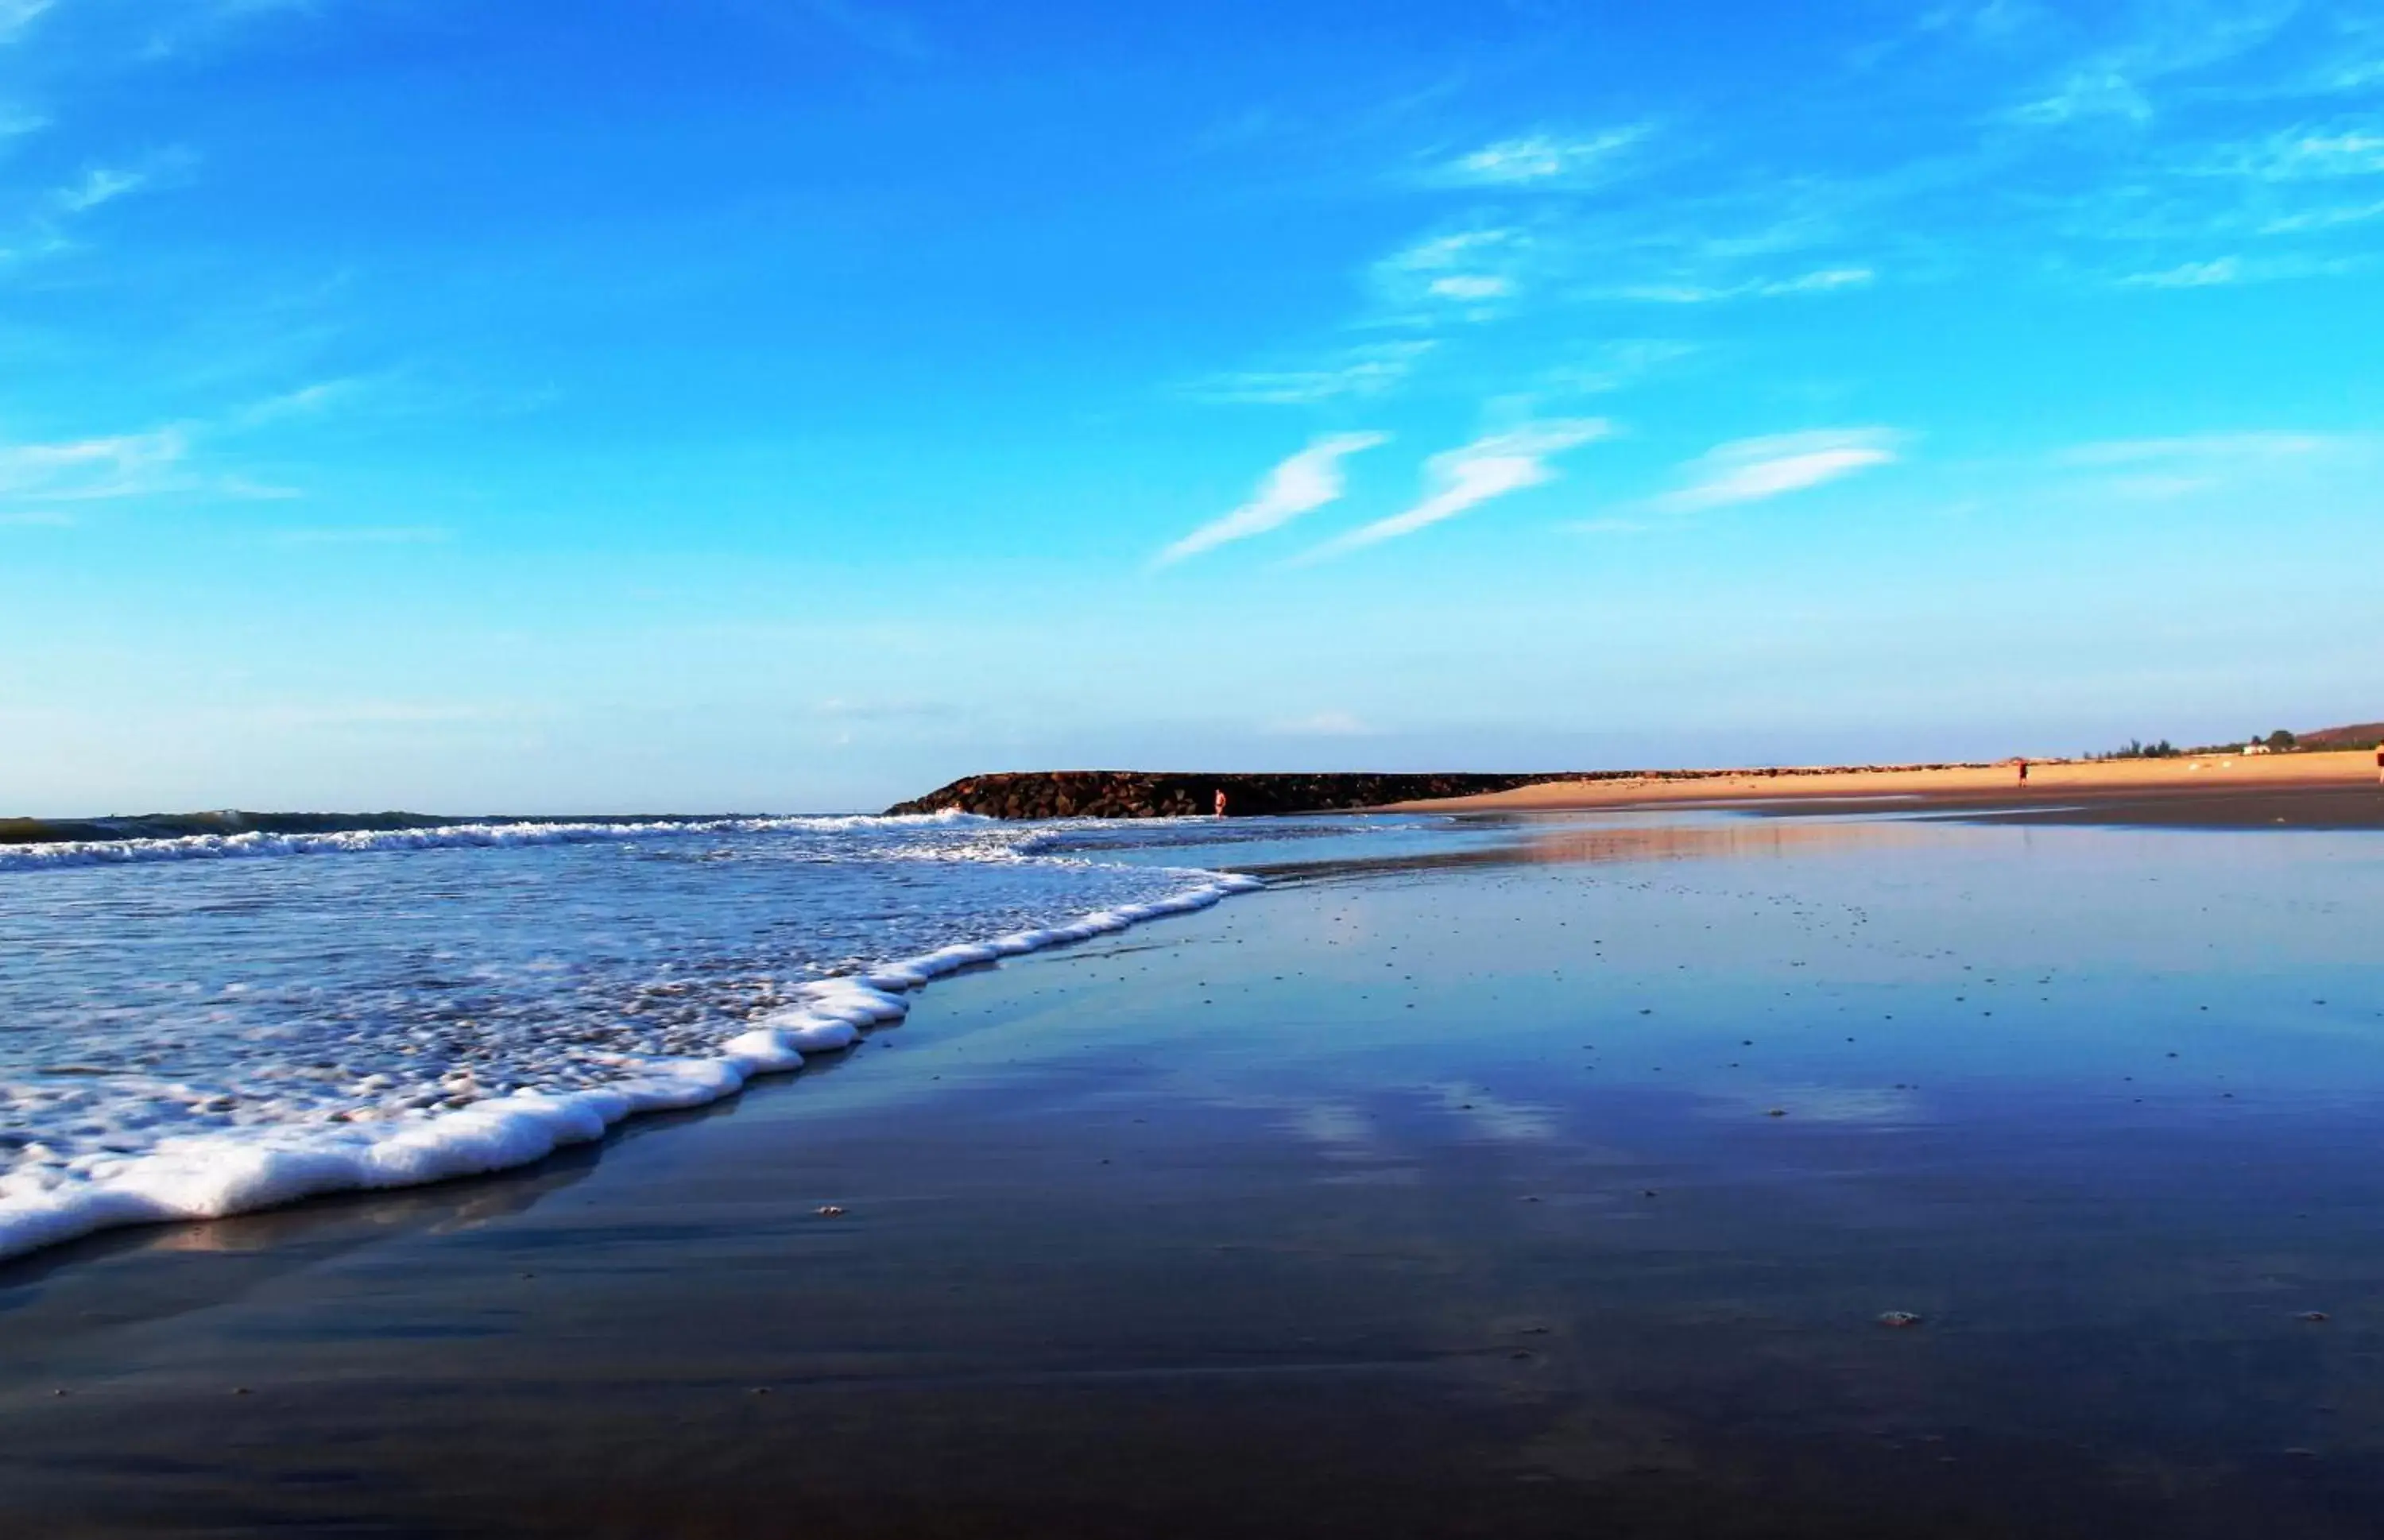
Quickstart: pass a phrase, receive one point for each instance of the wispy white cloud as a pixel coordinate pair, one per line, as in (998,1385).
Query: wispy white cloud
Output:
(1982,183)
(1359,372)
(1439,252)
(1612,366)
(2164,46)
(2089,94)
(2143,470)
(1986,21)
(47,222)
(307,401)
(1819,281)
(177,26)
(1471,286)
(2255,270)
(1751,470)
(1540,158)
(99,185)
(2345,75)
(2331,218)
(243,489)
(2308,154)
(163,460)
(2205,447)
(17,15)
(1305,482)
(2157,487)
(86,470)
(1468,267)
(1463,479)
(2190,275)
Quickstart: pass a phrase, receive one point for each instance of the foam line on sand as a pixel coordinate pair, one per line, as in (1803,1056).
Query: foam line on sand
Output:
(227,1172)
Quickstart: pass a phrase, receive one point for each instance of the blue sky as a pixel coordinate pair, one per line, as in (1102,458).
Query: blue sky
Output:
(794,404)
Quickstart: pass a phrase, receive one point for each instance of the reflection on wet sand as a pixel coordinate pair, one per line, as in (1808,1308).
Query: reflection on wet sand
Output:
(447,1209)
(1555,840)
(2253,807)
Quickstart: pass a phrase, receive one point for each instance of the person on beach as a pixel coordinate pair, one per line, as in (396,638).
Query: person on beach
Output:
(2379,765)
(1220,791)
(2023,772)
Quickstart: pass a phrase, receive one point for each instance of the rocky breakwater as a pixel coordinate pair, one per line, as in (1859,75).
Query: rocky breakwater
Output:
(1151,794)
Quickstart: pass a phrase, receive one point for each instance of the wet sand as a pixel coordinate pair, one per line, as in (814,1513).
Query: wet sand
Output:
(2311,806)
(1404,1200)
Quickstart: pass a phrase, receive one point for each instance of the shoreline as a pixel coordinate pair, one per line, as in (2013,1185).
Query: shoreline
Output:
(208,1178)
(1929,788)
(510,1132)
(1121,794)
(1554,1193)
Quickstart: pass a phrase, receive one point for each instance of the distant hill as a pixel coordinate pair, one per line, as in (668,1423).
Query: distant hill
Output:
(2359,734)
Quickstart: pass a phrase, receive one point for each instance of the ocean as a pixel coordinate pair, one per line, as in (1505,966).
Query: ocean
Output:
(198,1027)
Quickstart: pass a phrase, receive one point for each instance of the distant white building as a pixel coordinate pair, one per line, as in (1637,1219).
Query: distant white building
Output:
(2258,749)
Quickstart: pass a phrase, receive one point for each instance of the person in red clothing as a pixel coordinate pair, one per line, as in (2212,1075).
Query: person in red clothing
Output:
(2023,772)
(1221,801)
(2379,765)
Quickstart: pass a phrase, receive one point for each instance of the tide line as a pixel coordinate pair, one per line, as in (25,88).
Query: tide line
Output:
(216,1174)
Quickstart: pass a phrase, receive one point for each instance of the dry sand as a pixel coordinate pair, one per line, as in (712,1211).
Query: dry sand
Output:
(2199,774)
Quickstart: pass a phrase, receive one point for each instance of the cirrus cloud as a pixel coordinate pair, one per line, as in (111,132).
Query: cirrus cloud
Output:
(1819,281)
(1360,371)
(1540,157)
(17,15)
(88,470)
(1463,479)
(2203,447)
(1751,470)
(1301,484)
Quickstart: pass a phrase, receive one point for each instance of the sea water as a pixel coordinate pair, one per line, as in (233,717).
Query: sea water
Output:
(197,1026)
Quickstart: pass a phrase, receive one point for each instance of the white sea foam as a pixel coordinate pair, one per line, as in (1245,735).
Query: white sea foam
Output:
(411,1136)
(257,843)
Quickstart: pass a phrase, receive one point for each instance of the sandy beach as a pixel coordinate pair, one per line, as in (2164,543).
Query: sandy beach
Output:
(2204,775)
(884,771)
(1555,1179)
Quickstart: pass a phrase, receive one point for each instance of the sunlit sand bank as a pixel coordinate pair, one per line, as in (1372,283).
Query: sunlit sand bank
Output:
(2199,774)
